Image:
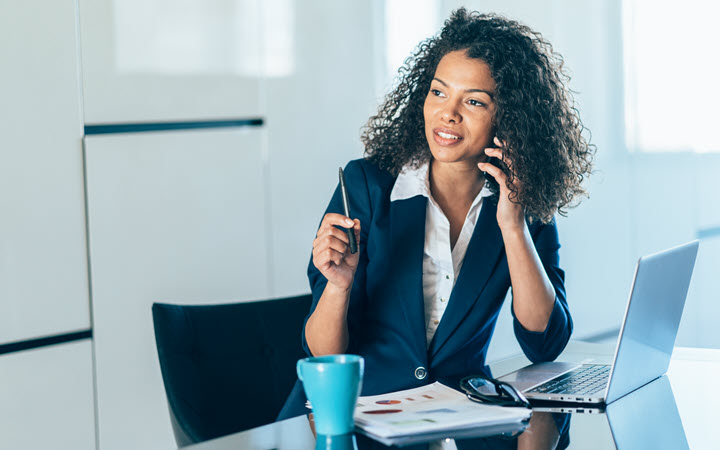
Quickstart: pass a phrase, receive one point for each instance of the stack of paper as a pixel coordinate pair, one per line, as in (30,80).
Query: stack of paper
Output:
(433,412)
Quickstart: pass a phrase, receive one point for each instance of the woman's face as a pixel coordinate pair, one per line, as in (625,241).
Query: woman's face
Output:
(459,110)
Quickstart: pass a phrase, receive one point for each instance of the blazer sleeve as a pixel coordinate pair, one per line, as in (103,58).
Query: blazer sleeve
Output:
(548,344)
(360,208)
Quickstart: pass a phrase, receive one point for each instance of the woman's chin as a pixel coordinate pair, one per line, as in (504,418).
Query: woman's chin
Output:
(447,157)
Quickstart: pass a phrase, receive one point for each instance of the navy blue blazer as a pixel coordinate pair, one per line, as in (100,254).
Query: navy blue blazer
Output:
(386,318)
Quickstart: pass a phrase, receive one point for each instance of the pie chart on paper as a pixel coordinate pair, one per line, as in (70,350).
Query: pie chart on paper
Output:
(387,402)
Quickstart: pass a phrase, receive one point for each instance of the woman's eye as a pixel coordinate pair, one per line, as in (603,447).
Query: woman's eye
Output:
(476,103)
(436,93)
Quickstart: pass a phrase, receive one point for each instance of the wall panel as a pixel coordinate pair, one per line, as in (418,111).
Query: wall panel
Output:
(43,263)
(174,217)
(46,398)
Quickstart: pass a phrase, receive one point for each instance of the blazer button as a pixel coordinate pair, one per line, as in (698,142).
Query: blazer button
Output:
(420,373)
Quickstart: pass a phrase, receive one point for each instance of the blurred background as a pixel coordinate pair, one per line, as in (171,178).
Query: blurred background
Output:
(184,151)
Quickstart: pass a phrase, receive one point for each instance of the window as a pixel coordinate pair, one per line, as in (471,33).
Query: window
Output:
(204,37)
(407,23)
(672,75)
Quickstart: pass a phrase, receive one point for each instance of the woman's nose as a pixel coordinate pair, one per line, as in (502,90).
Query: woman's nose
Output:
(450,113)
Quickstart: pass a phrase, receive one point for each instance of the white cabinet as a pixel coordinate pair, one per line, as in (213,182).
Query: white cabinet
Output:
(173,217)
(160,60)
(46,398)
(43,262)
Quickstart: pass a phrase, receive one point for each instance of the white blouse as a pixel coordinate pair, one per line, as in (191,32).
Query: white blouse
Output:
(441,265)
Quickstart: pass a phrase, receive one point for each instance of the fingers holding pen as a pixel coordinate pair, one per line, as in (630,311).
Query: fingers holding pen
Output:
(328,257)
(332,219)
(328,253)
(332,243)
(330,232)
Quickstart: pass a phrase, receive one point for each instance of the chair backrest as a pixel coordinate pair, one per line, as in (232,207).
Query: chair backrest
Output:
(230,367)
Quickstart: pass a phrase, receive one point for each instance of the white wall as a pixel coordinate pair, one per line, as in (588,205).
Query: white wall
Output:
(314,118)
(675,197)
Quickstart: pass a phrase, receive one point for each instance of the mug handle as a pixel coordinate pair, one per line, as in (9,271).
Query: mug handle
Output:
(298,368)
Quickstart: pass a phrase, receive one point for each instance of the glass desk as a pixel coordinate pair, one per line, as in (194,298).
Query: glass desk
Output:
(676,411)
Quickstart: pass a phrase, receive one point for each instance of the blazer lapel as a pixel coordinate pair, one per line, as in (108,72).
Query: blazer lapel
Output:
(407,223)
(481,256)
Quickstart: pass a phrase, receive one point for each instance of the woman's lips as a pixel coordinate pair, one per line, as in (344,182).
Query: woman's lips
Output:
(446,137)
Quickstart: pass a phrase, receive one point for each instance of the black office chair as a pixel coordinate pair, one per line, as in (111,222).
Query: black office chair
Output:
(227,368)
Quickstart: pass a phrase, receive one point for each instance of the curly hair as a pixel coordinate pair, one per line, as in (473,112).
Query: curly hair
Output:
(535,114)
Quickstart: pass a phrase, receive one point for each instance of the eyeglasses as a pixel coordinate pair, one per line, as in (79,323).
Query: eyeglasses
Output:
(492,392)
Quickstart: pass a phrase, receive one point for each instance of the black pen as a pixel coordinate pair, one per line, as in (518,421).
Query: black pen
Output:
(346,204)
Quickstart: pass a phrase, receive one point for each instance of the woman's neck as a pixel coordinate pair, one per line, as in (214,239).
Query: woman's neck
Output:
(455,183)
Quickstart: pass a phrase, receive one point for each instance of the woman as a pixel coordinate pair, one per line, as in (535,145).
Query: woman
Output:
(466,163)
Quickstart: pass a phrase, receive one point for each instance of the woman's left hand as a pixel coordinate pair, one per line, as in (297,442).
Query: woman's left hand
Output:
(510,215)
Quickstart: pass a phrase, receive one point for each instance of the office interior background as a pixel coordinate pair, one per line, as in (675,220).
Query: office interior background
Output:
(101,218)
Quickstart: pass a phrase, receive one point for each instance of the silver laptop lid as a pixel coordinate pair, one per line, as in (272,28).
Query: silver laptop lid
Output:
(651,319)
(647,418)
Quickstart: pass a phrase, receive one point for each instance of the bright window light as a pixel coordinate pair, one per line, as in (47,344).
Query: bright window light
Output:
(204,37)
(407,22)
(672,75)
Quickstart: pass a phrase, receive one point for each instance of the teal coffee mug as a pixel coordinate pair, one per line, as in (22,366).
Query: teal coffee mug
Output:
(332,384)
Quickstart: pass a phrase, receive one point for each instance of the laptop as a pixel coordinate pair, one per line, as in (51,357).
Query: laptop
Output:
(645,343)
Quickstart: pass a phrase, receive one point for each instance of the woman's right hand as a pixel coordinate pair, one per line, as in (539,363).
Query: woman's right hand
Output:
(331,250)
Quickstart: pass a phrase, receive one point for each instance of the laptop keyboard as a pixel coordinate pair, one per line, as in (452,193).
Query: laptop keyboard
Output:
(585,380)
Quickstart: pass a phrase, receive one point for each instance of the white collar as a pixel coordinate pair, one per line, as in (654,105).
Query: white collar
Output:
(415,181)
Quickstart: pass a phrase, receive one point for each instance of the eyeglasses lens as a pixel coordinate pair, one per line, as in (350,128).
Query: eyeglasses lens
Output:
(492,391)
(483,387)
